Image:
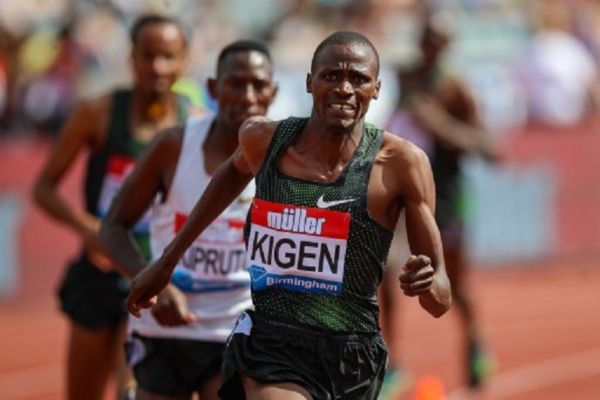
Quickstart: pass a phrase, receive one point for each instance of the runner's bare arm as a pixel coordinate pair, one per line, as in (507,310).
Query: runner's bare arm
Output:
(151,176)
(82,131)
(226,184)
(424,274)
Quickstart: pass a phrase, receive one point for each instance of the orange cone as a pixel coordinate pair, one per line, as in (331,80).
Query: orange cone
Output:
(429,387)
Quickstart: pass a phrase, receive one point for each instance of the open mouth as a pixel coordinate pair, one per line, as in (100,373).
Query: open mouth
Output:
(341,110)
(341,107)
(344,110)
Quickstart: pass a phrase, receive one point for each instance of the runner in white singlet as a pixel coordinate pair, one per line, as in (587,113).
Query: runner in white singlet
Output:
(176,347)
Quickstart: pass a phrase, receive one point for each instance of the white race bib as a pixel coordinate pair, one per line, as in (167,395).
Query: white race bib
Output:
(215,261)
(297,248)
(118,169)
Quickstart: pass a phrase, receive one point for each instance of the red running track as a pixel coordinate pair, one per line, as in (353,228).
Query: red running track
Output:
(543,324)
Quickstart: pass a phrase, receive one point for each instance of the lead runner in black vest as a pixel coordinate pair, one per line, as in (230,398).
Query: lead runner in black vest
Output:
(330,189)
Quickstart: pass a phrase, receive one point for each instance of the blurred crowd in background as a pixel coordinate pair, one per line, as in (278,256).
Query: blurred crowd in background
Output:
(526,62)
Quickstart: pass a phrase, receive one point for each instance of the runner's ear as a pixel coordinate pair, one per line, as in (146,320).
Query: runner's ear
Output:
(377,88)
(211,84)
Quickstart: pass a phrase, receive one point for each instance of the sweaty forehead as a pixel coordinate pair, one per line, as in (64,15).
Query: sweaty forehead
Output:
(356,55)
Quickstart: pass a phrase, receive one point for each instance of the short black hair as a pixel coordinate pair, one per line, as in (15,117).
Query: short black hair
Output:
(150,19)
(344,37)
(242,46)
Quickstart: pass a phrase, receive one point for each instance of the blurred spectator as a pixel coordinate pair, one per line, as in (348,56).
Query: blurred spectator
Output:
(559,72)
(9,44)
(55,62)
(3,84)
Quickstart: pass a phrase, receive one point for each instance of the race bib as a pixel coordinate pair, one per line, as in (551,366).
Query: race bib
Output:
(117,170)
(216,259)
(297,248)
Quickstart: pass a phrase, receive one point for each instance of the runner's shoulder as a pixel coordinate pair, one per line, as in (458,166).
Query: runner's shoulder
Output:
(89,118)
(257,129)
(168,140)
(401,153)
(95,107)
(255,137)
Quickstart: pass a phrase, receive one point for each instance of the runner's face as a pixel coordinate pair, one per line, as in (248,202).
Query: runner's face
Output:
(244,87)
(158,57)
(343,83)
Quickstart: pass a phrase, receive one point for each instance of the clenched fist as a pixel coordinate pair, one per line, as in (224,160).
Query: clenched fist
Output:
(416,276)
(146,285)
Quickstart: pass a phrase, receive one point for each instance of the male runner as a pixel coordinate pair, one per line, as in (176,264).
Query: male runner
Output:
(329,190)
(437,113)
(114,129)
(177,347)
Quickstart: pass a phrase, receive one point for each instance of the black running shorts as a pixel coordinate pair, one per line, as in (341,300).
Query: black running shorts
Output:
(173,367)
(92,298)
(328,365)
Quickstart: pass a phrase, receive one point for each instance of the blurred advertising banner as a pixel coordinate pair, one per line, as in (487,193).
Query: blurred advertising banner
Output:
(542,201)
(33,248)
(510,212)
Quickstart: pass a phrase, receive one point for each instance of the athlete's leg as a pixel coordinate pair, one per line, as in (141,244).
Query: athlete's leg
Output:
(141,394)
(478,364)
(457,273)
(125,382)
(211,387)
(456,268)
(89,361)
(274,391)
(396,379)
(390,297)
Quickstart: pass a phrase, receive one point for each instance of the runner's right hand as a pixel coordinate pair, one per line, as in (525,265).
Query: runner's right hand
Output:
(172,309)
(146,285)
(416,276)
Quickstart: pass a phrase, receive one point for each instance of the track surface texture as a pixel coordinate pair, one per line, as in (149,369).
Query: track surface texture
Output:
(541,322)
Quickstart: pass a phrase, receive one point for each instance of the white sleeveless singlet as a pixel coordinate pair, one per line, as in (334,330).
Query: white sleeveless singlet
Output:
(212,272)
